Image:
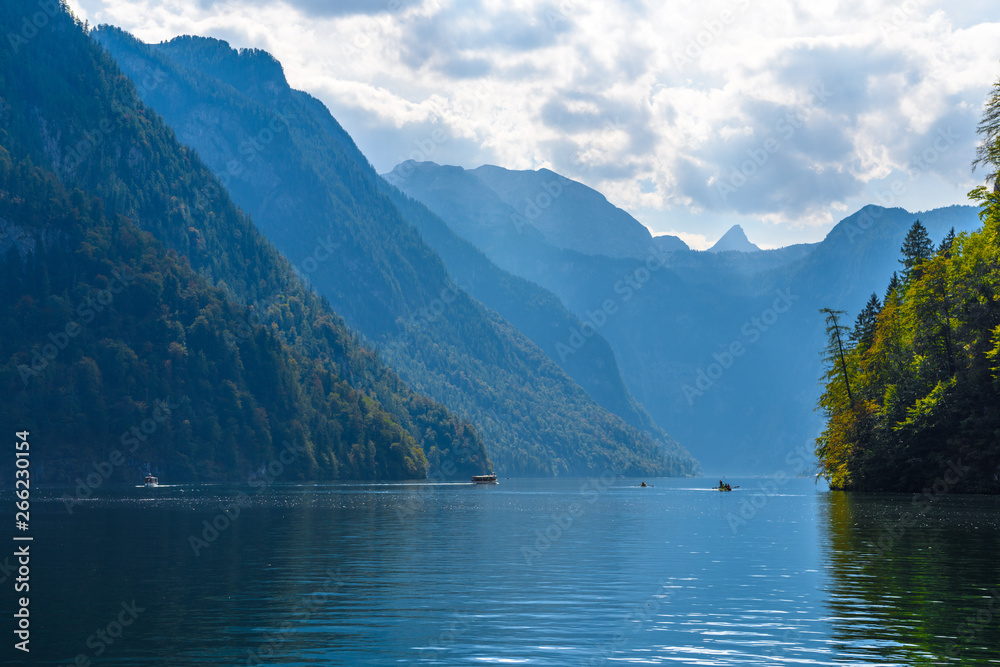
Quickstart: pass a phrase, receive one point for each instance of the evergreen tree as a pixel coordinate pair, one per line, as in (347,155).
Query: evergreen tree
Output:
(836,351)
(947,243)
(892,288)
(988,151)
(864,326)
(917,249)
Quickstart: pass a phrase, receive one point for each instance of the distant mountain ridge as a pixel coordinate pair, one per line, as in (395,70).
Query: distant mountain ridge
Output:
(674,332)
(539,204)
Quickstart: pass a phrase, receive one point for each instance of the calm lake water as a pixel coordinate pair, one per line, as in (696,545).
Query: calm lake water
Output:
(536,572)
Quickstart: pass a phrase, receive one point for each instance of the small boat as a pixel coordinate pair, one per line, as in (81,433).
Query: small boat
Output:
(724,487)
(485,479)
(151,481)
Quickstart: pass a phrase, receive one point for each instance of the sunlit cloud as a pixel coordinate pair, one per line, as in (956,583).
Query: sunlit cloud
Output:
(665,107)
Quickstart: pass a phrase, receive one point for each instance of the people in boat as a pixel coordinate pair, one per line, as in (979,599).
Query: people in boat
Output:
(728,488)
(643,484)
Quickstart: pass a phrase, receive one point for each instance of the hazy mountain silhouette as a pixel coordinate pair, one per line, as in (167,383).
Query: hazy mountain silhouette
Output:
(722,348)
(734,240)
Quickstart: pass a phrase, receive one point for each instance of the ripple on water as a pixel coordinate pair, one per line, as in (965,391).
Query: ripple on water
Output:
(540,572)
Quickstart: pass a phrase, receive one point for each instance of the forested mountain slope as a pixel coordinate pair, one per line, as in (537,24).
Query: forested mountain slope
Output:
(315,196)
(140,297)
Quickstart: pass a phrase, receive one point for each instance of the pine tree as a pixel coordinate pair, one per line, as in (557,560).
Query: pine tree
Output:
(917,249)
(946,243)
(835,349)
(988,152)
(892,288)
(864,326)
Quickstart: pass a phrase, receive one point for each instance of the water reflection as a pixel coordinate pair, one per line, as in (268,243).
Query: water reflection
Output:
(394,574)
(919,587)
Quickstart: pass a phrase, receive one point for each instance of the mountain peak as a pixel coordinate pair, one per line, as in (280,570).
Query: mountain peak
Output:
(247,69)
(735,239)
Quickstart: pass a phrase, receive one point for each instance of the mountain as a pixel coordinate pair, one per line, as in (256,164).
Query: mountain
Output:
(535,312)
(539,206)
(568,214)
(476,212)
(737,273)
(734,240)
(148,324)
(721,348)
(288,163)
(668,243)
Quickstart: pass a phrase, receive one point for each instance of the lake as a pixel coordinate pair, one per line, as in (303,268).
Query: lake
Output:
(535,572)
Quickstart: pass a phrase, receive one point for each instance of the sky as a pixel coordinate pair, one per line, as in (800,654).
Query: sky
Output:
(781,116)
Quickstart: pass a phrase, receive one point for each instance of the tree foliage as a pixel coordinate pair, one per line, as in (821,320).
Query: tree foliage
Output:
(917,249)
(863,333)
(988,150)
(928,385)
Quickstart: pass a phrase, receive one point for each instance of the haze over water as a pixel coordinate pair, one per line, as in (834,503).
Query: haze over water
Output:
(539,572)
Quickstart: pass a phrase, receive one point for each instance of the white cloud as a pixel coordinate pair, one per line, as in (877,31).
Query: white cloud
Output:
(694,241)
(655,106)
